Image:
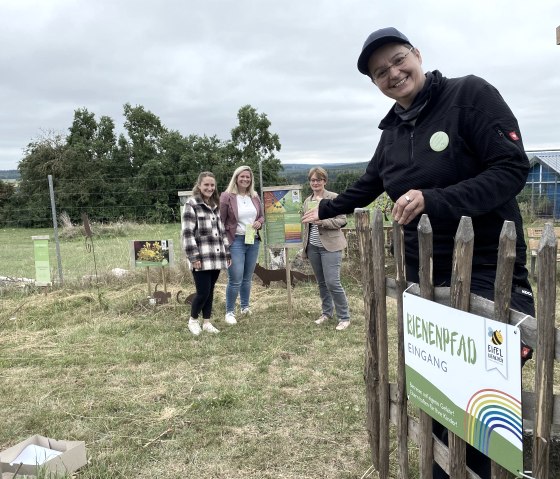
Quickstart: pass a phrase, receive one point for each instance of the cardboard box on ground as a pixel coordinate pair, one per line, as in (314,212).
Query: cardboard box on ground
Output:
(71,455)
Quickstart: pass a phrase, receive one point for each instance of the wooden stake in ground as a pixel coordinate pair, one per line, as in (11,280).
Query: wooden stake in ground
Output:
(288,283)
(148,280)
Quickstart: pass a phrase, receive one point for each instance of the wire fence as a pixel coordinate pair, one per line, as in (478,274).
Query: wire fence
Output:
(83,260)
(122,223)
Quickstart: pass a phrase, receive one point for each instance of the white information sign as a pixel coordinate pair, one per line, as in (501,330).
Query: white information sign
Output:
(465,372)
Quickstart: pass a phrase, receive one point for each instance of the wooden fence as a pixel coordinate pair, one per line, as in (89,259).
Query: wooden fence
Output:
(387,402)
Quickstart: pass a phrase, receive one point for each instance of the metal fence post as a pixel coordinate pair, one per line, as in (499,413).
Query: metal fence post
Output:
(55,227)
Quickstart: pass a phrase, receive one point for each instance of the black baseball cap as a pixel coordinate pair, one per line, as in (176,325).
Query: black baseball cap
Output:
(374,41)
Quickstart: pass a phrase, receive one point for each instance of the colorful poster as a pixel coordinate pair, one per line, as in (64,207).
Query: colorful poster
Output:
(155,253)
(465,372)
(42,262)
(282,210)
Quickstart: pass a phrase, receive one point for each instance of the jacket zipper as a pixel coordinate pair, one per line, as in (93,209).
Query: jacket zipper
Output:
(411,146)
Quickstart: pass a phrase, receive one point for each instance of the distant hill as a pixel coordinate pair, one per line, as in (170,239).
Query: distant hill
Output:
(9,175)
(296,173)
(328,166)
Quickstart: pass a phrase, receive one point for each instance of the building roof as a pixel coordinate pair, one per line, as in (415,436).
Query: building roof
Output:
(551,158)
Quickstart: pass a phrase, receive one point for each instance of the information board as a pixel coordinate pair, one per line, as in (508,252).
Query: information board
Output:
(282,211)
(465,372)
(156,253)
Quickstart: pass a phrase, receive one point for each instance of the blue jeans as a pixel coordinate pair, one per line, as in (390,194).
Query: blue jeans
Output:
(240,273)
(326,266)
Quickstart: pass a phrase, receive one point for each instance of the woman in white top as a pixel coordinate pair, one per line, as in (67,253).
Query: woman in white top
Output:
(242,214)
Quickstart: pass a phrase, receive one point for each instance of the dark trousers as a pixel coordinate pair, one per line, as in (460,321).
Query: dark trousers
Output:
(204,282)
(482,284)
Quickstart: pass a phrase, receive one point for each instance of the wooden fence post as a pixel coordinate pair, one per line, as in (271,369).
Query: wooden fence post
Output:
(380,313)
(371,375)
(401,400)
(502,298)
(460,297)
(544,370)
(426,256)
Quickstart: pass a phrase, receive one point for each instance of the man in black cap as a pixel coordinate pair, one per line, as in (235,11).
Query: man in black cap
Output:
(450,147)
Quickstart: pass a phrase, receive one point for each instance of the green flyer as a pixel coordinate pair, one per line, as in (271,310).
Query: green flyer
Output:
(42,263)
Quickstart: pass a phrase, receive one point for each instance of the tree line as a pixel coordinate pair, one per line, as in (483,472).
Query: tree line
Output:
(137,173)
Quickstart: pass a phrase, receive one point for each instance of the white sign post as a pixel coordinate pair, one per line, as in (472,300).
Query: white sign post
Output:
(465,372)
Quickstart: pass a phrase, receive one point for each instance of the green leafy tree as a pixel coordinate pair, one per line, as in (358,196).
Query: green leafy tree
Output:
(152,170)
(252,142)
(105,142)
(84,183)
(83,129)
(144,131)
(136,176)
(7,191)
(343,181)
(31,202)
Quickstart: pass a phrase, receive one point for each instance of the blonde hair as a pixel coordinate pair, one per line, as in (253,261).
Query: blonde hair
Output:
(215,198)
(232,187)
(321,173)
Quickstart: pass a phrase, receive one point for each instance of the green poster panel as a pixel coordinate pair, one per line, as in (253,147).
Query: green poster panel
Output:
(282,210)
(42,263)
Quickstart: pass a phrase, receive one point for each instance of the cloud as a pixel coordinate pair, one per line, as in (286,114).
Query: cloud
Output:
(194,64)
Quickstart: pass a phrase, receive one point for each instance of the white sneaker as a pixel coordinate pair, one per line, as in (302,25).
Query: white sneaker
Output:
(246,311)
(194,326)
(209,327)
(342,325)
(322,319)
(230,318)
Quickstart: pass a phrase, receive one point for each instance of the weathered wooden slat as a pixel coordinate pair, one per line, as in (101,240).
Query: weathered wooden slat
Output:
(459,297)
(401,399)
(371,378)
(425,274)
(380,312)
(502,298)
(544,372)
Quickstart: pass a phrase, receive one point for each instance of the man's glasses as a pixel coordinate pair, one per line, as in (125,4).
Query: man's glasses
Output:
(382,74)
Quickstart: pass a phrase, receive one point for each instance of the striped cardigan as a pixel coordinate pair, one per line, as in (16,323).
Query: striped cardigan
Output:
(204,236)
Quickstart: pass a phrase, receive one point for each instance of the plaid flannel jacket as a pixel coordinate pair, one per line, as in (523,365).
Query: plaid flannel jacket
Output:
(204,236)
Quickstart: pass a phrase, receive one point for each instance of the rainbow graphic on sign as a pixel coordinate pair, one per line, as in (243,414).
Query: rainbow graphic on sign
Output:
(488,411)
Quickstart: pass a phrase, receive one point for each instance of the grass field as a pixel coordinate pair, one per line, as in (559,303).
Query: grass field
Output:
(273,397)
(109,249)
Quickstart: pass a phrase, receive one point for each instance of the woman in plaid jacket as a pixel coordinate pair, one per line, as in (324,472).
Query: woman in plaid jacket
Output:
(206,247)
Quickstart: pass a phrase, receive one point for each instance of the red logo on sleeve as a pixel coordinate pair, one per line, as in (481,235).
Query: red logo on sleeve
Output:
(513,135)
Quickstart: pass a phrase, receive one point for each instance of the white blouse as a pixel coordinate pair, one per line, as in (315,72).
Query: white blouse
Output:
(246,213)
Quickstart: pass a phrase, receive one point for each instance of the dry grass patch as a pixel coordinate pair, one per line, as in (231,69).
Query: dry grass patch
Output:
(271,397)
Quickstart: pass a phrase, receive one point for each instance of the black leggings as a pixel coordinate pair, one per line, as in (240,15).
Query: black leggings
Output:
(204,282)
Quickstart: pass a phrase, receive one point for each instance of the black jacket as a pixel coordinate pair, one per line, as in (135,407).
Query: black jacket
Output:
(478,174)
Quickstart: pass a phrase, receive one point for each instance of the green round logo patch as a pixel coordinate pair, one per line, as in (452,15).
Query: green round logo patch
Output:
(439,141)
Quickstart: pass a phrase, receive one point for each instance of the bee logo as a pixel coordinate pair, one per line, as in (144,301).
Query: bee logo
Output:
(496,336)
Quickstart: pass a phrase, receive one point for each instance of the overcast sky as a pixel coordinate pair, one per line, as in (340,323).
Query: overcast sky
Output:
(195,63)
